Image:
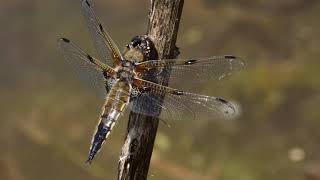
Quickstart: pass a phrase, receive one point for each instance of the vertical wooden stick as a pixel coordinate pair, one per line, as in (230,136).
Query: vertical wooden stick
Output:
(136,153)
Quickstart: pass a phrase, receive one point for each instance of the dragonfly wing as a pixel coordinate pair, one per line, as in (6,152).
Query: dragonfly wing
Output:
(195,70)
(149,104)
(105,46)
(89,69)
(179,104)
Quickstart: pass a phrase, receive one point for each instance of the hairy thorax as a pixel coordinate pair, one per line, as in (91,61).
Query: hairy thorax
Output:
(133,55)
(126,71)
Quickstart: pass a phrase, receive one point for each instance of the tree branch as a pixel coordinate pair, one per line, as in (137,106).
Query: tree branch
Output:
(164,18)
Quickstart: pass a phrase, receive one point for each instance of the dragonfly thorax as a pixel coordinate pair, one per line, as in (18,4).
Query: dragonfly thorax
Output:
(127,64)
(133,55)
(126,71)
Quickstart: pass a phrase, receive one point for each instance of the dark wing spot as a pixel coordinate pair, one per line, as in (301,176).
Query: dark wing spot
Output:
(178,92)
(88,3)
(65,40)
(191,61)
(229,57)
(101,28)
(90,58)
(222,100)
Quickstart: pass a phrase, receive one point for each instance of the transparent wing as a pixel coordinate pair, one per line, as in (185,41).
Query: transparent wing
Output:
(150,104)
(105,46)
(189,71)
(90,70)
(178,104)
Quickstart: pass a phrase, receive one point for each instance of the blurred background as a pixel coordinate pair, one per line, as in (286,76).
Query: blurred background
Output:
(48,116)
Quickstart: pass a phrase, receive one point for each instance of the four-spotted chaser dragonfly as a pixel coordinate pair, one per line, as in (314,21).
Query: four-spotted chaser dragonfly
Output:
(126,84)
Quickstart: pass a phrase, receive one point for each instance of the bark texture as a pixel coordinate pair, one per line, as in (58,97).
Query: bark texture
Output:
(164,18)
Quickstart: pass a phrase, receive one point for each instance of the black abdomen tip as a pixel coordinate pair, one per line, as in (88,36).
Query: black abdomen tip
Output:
(89,160)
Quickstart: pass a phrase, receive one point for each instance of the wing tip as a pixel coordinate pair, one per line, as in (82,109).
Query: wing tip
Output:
(232,111)
(240,63)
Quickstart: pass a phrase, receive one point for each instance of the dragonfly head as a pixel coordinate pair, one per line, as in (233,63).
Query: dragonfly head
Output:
(140,49)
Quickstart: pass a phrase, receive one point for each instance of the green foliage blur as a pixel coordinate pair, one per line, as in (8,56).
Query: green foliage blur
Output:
(48,116)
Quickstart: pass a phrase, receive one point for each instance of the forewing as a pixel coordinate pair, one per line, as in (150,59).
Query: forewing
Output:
(82,65)
(107,49)
(180,105)
(185,72)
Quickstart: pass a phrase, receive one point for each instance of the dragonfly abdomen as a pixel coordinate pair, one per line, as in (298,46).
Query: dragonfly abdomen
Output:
(116,102)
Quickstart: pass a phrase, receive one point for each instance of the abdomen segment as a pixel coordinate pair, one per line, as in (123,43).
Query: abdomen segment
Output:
(116,102)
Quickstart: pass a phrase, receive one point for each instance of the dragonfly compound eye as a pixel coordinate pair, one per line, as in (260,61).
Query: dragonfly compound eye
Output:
(136,41)
(145,46)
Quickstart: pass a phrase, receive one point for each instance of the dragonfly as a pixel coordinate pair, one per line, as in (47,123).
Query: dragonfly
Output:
(125,80)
